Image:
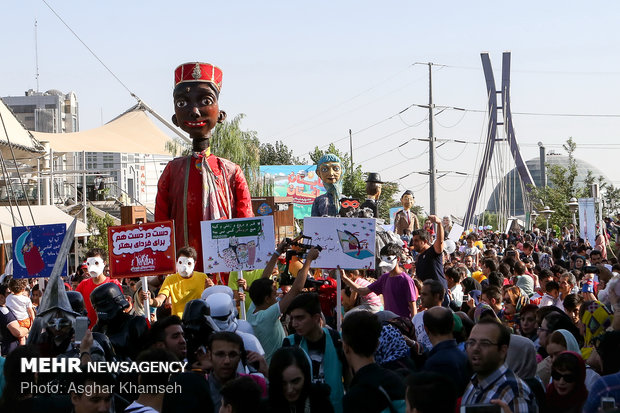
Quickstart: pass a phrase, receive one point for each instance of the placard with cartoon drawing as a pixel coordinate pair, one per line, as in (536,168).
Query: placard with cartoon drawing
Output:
(237,244)
(35,249)
(347,242)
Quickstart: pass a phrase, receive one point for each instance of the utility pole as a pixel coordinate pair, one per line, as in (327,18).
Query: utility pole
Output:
(431,144)
(351,148)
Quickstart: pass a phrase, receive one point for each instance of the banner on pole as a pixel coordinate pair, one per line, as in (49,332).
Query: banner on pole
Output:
(237,244)
(142,249)
(587,219)
(35,249)
(346,242)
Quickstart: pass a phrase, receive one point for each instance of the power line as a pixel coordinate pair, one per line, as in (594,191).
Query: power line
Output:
(329,109)
(89,49)
(542,72)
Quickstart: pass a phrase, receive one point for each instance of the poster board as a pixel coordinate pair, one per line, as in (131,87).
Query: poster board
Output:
(139,250)
(299,182)
(587,219)
(456,232)
(346,242)
(35,249)
(237,244)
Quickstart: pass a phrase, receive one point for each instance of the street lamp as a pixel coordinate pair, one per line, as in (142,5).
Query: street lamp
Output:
(533,216)
(573,206)
(546,213)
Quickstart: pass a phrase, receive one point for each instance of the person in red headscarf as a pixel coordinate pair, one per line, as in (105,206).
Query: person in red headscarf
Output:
(567,392)
(201,186)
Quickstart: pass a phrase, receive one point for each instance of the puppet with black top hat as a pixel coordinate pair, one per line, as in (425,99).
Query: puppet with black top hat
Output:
(373,191)
(201,186)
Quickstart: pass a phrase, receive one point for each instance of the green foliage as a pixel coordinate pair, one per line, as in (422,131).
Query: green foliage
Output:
(353,183)
(611,198)
(98,226)
(278,154)
(561,188)
(242,147)
(489,218)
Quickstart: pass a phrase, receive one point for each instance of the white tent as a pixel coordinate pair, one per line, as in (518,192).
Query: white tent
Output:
(13,132)
(131,132)
(43,214)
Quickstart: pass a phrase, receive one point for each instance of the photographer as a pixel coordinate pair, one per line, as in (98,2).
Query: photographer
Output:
(265,311)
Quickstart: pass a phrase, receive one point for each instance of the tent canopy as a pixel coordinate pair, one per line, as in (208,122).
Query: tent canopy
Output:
(131,132)
(24,145)
(44,214)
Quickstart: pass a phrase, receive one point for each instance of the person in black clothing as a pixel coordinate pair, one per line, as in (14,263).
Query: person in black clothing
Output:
(429,264)
(290,384)
(429,392)
(445,357)
(372,388)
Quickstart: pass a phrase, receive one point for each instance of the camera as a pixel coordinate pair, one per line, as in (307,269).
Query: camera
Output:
(298,247)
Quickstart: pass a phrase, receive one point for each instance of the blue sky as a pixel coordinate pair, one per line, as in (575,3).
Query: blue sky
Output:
(307,72)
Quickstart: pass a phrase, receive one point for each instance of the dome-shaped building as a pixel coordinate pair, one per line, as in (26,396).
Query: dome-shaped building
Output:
(509,189)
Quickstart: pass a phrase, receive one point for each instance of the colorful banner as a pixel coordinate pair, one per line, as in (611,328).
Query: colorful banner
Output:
(35,250)
(393,212)
(237,244)
(346,242)
(142,249)
(297,181)
(587,219)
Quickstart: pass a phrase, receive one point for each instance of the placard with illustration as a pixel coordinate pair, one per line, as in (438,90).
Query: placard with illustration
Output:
(237,244)
(35,249)
(346,242)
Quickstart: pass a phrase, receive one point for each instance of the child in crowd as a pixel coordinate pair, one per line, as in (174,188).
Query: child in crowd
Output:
(552,294)
(19,303)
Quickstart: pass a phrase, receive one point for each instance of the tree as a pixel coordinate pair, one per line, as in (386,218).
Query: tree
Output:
(278,154)
(98,227)
(561,188)
(611,198)
(353,183)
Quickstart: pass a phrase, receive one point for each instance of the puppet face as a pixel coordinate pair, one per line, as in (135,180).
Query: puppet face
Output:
(407,201)
(185,266)
(95,266)
(330,172)
(196,108)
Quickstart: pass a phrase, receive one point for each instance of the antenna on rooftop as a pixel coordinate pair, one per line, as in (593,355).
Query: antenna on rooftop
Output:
(36,54)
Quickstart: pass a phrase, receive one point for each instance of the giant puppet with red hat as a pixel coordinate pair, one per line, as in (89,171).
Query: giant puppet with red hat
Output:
(200,186)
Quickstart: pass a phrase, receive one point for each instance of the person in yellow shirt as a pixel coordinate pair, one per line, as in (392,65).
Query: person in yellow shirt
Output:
(183,286)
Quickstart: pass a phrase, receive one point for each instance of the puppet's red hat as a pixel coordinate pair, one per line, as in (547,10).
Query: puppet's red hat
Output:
(198,72)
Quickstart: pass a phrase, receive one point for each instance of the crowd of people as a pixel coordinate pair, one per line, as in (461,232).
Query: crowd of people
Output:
(522,321)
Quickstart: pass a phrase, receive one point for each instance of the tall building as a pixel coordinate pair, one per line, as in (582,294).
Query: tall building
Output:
(50,112)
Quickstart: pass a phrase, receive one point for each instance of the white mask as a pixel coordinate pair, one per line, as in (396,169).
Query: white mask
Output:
(388,262)
(95,266)
(185,266)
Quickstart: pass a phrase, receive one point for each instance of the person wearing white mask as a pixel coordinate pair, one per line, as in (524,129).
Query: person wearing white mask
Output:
(399,291)
(96,261)
(183,286)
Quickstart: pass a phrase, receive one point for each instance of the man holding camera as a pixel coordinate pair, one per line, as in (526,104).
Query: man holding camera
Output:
(265,310)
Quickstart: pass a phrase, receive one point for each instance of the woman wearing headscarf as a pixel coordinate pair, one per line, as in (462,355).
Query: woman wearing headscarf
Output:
(595,320)
(567,393)
(563,340)
(514,300)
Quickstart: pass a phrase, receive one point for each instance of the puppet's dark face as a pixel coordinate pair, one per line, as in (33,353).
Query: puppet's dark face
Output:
(196,108)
